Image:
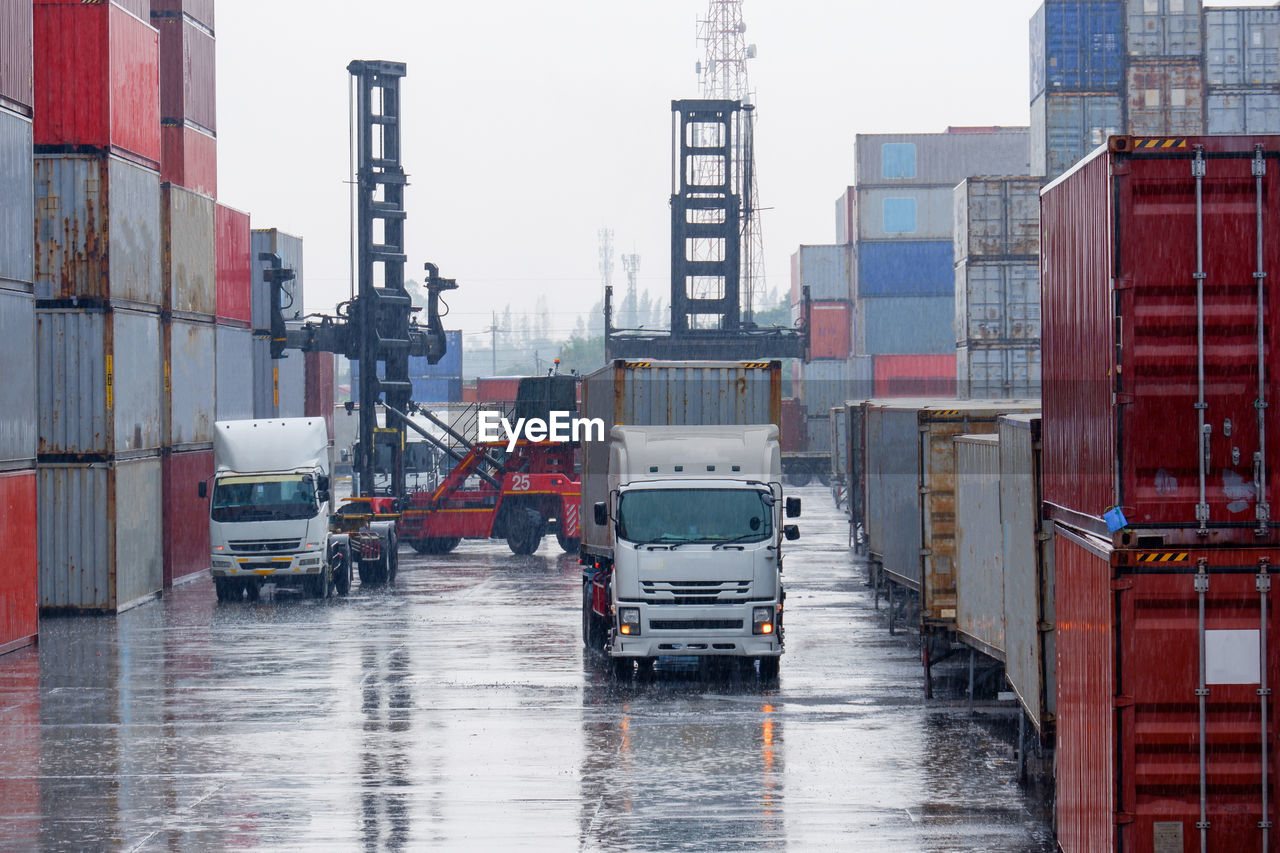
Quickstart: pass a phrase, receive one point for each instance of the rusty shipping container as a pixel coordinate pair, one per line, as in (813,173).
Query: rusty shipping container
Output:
(855,475)
(186,514)
(837,430)
(1165,98)
(234,373)
(188,74)
(1128,422)
(1164,28)
(100,534)
(189,157)
(189,383)
(97,81)
(99,381)
(16,68)
(318,399)
(18,419)
(1166,729)
(234,273)
(1027,555)
(997,372)
(97,230)
(979,560)
(188,261)
(19,615)
(17,200)
(998,302)
(200,11)
(997,218)
(289,248)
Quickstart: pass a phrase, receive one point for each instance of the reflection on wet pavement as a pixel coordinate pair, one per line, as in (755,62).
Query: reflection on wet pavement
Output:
(459,711)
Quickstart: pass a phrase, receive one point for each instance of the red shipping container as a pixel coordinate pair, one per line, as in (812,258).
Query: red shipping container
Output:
(496,389)
(20,774)
(186,514)
(469,392)
(140,9)
(200,11)
(1124,426)
(914,375)
(318,391)
(794,434)
(97,83)
(189,158)
(830,329)
(187,72)
(235,267)
(19,572)
(1129,649)
(16,70)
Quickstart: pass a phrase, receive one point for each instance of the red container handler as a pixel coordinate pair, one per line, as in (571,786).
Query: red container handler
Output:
(189,158)
(1134,697)
(188,71)
(16,69)
(97,84)
(235,274)
(186,514)
(1126,422)
(19,574)
(318,392)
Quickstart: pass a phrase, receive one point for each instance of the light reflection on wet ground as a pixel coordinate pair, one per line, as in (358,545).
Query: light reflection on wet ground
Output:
(458,712)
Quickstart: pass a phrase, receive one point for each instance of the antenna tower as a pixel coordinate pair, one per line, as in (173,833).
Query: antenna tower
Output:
(630,314)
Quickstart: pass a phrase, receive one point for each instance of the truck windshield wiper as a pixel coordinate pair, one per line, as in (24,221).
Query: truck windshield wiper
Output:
(730,541)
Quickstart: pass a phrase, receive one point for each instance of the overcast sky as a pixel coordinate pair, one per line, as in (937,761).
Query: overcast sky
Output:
(529,126)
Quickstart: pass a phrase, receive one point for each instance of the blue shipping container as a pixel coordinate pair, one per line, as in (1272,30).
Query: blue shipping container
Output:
(907,325)
(449,367)
(1077,47)
(906,268)
(437,390)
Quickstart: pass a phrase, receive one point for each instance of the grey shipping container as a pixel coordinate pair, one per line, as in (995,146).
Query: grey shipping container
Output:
(1064,128)
(922,213)
(99,381)
(979,545)
(836,441)
(100,534)
(997,218)
(823,385)
(644,393)
(1164,28)
(855,465)
(1242,47)
(997,373)
(279,385)
(265,394)
(998,302)
(900,325)
(827,270)
(188,263)
(1165,98)
(18,390)
(17,199)
(190,377)
(234,373)
(289,248)
(1243,111)
(97,229)
(293,385)
(940,159)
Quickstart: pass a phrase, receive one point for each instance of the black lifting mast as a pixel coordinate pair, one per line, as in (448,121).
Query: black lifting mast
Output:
(376,327)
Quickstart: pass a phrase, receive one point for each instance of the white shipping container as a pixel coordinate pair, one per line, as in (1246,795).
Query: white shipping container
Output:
(17,199)
(826,270)
(1243,111)
(940,159)
(234,373)
(190,384)
(1242,47)
(293,385)
(189,263)
(1164,28)
(824,385)
(289,248)
(997,218)
(997,373)
(918,213)
(1064,128)
(998,302)
(979,545)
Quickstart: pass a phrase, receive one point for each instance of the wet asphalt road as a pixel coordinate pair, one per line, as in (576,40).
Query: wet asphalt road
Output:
(459,712)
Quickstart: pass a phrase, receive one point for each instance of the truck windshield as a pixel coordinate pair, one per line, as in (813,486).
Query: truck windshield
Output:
(694,515)
(273,497)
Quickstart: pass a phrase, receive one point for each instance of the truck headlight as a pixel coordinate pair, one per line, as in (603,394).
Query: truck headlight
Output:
(762,620)
(629,621)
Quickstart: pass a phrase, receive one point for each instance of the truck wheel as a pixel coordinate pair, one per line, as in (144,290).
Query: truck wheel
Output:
(318,586)
(622,668)
(226,589)
(366,571)
(340,561)
(592,627)
(568,544)
(769,668)
(525,531)
(435,545)
(799,478)
(252,589)
(392,558)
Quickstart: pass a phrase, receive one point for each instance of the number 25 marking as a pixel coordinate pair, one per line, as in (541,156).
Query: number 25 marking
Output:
(520,482)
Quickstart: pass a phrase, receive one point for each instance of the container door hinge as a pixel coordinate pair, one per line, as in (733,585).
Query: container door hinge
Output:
(1123,282)
(1202,582)
(924,490)
(1044,627)
(1263,582)
(1044,536)
(1123,399)
(1202,691)
(1121,584)
(1264,691)
(1124,701)
(1123,818)
(926,552)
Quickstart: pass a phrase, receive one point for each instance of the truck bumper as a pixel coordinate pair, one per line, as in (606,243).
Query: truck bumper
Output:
(695,630)
(280,568)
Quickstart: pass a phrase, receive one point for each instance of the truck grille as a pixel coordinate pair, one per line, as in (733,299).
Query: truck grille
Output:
(695,624)
(695,592)
(264,546)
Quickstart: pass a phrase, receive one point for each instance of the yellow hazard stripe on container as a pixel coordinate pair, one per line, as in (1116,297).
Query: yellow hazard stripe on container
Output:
(948,413)
(1149,144)
(633,365)
(755,364)
(1164,557)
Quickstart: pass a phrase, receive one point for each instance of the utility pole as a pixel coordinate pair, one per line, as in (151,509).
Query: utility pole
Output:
(493,351)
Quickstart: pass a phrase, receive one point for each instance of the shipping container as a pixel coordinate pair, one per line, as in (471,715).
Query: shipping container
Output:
(837,444)
(855,476)
(98,80)
(1242,47)
(140,9)
(491,389)
(289,248)
(917,375)
(436,390)
(1233,113)
(996,218)
(234,373)
(1077,46)
(189,157)
(830,328)
(889,325)
(906,268)
(16,69)
(231,245)
(1165,731)
(1119,361)
(187,71)
(1027,556)
(186,514)
(846,220)
(99,381)
(17,197)
(190,376)
(915,213)
(188,261)
(97,230)
(291,380)
(200,11)
(825,270)
(979,545)
(100,534)
(448,367)
(825,384)
(792,433)
(1164,28)
(1064,128)
(318,399)
(940,159)
(1165,98)
(998,302)
(18,419)
(19,571)
(997,372)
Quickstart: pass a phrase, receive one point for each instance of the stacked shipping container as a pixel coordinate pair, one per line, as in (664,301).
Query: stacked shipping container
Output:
(1164,73)
(188,107)
(279,385)
(1242,70)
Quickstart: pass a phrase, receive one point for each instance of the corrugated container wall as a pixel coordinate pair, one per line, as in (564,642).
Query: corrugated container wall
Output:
(186,514)
(1243,112)
(17,199)
(856,462)
(187,71)
(941,159)
(448,367)
(1242,47)
(234,373)
(16,69)
(189,157)
(289,248)
(18,418)
(919,375)
(997,218)
(190,373)
(906,268)
(826,270)
(97,81)
(97,230)
(100,534)
(200,11)
(188,262)
(905,325)
(846,216)
(917,213)
(19,571)
(436,390)
(490,389)
(234,271)
(792,428)
(985,372)
(1077,46)
(1165,98)
(825,384)
(979,563)
(320,387)
(1158,29)
(998,303)
(292,384)
(830,328)
(99,381)
(1064,128)
(837,442)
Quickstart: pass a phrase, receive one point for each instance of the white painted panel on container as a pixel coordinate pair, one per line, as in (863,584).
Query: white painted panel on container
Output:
(941,159)
(921,214)
(826,270)
(289,248)
(292,386)
(1232,657)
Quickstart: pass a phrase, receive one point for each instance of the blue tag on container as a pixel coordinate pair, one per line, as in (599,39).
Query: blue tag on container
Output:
(1115,519)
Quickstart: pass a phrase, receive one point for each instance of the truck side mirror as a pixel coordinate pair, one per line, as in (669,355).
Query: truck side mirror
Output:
(793,507)
(322,496)
(601,510)
(791,532)
(202,489)
(344,455)
(322,483)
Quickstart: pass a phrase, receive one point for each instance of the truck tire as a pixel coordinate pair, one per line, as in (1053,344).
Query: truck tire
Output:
(252,589)
(592,625)
(769,668)
(799,478)
(622,668)
(435,545)
(568,544)
(340,565)
(392,563)
(524,531)
(318,586)
(226,589)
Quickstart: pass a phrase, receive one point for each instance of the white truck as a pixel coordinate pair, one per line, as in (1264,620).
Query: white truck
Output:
(269,517)
(685,518)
